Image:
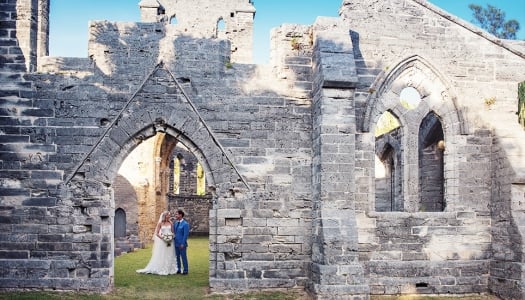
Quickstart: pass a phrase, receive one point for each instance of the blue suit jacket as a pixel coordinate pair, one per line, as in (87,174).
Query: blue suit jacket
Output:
(182,231)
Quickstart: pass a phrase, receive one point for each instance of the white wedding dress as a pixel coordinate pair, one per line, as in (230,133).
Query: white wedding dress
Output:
(162,260)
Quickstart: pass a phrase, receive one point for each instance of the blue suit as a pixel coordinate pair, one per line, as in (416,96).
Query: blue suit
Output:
(182,231)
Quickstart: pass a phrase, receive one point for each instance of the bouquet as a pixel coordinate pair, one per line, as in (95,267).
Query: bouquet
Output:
(167,237)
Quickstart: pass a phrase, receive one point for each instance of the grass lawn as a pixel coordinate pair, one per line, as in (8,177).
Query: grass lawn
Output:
(131,285)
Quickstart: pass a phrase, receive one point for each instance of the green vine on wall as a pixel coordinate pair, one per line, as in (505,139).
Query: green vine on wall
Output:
(521,103)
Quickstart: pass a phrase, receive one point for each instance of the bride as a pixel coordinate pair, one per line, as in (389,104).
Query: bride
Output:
(162,260)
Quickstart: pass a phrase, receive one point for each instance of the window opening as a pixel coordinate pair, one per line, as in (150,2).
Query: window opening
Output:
(176,175)
(386,123)
(201,180)
(409,98)
(221,25)
(187,174)
(384,182)
(431,164)
(388,171)
(120,223)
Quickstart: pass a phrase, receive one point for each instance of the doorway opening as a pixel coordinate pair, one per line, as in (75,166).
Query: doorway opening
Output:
(160,174)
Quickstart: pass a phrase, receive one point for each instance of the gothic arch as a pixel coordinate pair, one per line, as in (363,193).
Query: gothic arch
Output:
(158,107)
(437,97)
(435,91)
(106,169)
(139,121)
(91,183)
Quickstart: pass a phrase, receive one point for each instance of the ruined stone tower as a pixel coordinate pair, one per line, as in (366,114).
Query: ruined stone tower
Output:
(310,188)
(231,20)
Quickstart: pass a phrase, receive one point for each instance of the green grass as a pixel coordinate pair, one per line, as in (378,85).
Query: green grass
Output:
(131,285)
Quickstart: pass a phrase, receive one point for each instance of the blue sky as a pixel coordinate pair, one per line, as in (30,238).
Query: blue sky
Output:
(69,18)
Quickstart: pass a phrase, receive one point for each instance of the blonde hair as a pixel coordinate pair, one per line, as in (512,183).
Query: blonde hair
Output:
(163,216)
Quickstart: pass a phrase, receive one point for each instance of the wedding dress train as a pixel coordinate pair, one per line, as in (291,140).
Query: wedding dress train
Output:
(162,260)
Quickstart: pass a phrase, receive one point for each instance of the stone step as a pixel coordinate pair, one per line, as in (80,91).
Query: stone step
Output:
(127,244)
(124,247)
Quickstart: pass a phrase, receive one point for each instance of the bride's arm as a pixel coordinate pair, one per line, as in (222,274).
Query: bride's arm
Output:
(157,230)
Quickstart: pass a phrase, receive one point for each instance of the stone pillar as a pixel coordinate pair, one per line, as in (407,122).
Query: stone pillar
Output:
(32,30)
(26,21)
(336,271)
(242,36)
(43,29)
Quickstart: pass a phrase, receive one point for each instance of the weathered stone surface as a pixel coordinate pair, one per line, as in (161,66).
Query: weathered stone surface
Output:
(288,149)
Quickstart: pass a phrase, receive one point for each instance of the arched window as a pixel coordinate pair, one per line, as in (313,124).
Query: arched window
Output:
(388,171)
(201,180)
(187,176)
(176,174)
(173,20)
(426,108)
(221,28)
(120,223)
(431,164)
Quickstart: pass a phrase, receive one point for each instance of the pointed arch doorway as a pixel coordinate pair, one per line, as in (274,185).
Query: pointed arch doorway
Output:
(162,183)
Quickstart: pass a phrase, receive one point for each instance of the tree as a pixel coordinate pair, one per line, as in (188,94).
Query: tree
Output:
(492,19)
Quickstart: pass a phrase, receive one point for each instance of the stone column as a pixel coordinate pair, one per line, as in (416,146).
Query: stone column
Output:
(336,271)
(26,25)
(43,29)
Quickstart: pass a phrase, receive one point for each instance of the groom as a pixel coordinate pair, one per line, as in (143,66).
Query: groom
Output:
(182,230)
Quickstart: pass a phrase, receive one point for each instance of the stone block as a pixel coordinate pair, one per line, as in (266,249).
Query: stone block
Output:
(40,201)
(14,254)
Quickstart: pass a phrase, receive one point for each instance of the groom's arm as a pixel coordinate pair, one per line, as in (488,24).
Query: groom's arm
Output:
(186,232)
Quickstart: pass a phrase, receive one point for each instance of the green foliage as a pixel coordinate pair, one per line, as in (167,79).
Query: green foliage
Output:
(521,103)
(492,19)
(295,44)
(489,102)
(386,123)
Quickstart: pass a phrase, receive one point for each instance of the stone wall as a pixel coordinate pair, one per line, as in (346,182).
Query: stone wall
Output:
(196,212)
(288,151)
(449,252)
(126,199)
